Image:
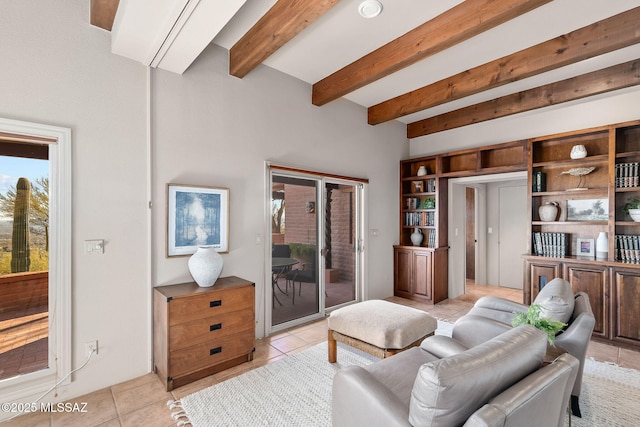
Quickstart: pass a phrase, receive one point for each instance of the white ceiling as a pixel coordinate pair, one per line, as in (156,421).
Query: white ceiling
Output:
(341,36)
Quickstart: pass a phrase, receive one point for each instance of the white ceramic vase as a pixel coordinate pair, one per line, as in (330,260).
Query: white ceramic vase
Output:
(205,266)
(416,237)
(548,211)
(422,171)
(578,152)
(602,246)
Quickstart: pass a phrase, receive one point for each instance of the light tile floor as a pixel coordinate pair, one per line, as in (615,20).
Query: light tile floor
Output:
(143,400)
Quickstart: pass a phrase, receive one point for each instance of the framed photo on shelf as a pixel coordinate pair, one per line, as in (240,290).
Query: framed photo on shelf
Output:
(417,186)
(588,210)
(196,216)
(585,248)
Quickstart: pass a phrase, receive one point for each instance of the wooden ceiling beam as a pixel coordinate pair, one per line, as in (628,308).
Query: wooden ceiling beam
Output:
(467,19)
(596,39)
(594,83)
(281,23)
(103,12)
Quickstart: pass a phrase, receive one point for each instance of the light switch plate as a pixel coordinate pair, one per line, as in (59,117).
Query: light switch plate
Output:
(94,246)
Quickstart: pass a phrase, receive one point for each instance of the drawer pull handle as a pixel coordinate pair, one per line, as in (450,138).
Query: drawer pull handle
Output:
(215,327)
(216,303)
(215,351)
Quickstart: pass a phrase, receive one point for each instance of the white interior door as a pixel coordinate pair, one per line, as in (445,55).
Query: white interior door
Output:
(513,235)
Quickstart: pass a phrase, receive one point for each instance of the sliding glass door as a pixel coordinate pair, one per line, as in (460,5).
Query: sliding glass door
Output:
(295,254)
(341,243)
(315,245)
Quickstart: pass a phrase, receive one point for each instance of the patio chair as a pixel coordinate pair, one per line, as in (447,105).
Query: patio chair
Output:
(281,251)
(307,274)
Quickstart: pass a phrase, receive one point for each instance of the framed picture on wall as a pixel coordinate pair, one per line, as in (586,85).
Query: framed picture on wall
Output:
(197,216)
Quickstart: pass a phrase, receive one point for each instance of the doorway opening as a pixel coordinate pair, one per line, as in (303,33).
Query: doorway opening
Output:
(35,287)
(24,258)
(488,222)
(316,245)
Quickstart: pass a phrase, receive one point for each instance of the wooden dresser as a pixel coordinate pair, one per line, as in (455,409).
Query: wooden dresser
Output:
(200,331)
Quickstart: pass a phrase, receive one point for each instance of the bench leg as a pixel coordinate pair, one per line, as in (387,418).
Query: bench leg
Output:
(332,346)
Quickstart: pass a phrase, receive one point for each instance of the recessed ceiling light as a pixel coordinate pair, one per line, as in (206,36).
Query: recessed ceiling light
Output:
(370,8)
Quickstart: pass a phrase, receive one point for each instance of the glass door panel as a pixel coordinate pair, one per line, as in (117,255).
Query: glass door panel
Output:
(295,253)
(340,243)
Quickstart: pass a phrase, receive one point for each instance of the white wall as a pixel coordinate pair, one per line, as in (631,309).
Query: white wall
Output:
(213,129)
(57,69)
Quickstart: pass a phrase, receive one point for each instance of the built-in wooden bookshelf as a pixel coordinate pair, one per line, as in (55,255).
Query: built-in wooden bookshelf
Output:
(421,271)
(612,283)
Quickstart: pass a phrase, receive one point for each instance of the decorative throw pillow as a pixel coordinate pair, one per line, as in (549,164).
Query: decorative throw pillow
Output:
(557,300)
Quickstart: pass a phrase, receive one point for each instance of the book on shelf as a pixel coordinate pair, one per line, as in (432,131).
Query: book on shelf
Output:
(553,245)
(627,175)
(420,219)
(431,185)
(431,241)
(627,248)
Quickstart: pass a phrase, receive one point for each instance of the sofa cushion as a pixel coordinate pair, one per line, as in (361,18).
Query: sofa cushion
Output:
(446,392)
(557,300)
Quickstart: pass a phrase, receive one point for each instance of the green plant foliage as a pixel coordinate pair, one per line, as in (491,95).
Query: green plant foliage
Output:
(532,317)
(39,261)
(302,251)
(20,249)
(632,203)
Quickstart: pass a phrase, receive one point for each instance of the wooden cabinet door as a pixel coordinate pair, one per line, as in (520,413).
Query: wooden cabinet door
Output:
(422,274)
(402,272)
(539,274)
(594,281)
(626,308)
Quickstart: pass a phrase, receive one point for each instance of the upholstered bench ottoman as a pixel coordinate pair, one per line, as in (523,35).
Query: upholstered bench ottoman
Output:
(380,328)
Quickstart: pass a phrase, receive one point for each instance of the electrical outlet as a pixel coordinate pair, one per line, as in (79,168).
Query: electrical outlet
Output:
(91,346)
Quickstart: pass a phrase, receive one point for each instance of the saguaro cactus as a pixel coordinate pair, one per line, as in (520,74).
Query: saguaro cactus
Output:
(20,251)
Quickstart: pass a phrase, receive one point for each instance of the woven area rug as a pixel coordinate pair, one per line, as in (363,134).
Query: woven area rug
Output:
(296,391)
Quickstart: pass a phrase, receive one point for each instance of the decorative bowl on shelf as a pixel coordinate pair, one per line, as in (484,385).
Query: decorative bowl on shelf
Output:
(633,208)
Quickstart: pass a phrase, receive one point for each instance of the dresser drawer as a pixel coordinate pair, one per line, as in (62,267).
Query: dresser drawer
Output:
(209,328)
(210,304)
(209,353)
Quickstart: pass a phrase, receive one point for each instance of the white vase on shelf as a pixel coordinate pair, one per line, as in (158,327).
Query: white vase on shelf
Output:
(602,246)
(548,211)
(578,152)
(205,266)
(422,171)
(416,237)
